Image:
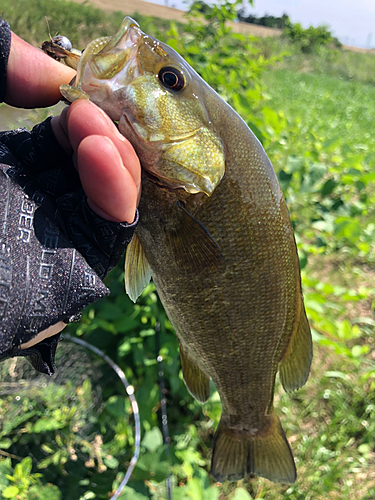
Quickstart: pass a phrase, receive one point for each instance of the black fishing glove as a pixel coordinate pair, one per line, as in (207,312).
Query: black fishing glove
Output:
(54,250)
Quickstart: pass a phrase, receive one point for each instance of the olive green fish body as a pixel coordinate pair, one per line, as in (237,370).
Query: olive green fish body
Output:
(254,297)
(215,235)
(235,323)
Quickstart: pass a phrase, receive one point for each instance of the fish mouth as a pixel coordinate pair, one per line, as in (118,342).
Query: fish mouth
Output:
(128,35)
(120,51)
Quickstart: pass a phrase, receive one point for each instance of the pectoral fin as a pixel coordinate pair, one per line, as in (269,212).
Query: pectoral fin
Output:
(295,366)
(137,269)
(197,382)
(193,245)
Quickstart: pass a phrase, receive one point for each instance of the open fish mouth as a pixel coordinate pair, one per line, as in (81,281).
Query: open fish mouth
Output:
(128,35)
(120,50)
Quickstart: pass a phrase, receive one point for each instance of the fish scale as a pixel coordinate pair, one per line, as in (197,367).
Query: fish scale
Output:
(215,236)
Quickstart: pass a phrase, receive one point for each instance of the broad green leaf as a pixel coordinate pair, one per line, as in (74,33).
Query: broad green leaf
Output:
(241,494)
(25,466)
(335,374)
(360,350)
(47,424)
(47,492)
(332,143)
(89,495)
(195,489)
(116,406)
(111,462)
(153,439)
(150,466)
(10,492)
(345,330)
(211,493)
(5,444)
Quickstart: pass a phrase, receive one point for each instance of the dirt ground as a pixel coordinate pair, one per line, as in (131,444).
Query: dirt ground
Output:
(151,9)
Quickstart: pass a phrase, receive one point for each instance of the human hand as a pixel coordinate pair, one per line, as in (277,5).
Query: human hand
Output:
(33,78)
(109,171)
(107,164)
(48,176)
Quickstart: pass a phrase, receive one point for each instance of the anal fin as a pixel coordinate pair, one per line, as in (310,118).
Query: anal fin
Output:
(294,368)
(137,269)
(237,453)
(197,382)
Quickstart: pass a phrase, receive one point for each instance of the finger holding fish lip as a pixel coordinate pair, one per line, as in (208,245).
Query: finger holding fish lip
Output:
(107,164)
(33,78)
(109,186)
(85,118)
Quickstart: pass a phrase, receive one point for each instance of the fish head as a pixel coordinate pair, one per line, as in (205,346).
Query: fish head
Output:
(158,101)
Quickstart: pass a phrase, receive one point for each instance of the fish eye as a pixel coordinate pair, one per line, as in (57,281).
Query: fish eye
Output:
(172,78)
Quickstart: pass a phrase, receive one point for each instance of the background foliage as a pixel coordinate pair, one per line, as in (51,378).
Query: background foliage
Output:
(314,115)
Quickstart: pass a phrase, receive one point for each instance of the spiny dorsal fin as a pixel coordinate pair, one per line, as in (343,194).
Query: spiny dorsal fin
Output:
(197,382)
(237,453)
(193,245)
(137,269)
(294,368)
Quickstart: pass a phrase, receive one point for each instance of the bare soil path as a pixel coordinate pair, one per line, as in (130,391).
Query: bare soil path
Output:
(129,7)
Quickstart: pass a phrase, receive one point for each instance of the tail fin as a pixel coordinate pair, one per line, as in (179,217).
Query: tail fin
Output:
(238,453)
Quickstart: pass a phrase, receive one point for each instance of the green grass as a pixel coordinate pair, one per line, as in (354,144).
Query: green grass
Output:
(329,423)
(325,106)
(321,143)
(320,131)
(341,64)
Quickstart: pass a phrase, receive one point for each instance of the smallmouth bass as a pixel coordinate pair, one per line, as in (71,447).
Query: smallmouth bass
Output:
(215,236)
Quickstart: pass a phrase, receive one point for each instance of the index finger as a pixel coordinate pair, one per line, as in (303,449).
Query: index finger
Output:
(33,78)
(85,118)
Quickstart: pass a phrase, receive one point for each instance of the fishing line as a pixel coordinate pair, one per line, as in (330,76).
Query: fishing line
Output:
(163,405)
(130,392)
